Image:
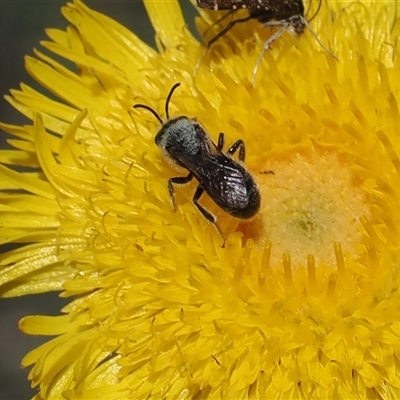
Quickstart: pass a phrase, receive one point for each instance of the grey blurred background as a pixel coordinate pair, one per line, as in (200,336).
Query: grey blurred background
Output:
(22,25)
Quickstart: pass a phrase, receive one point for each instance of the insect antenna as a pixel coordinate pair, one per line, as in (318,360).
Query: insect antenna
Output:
(308,7)
(171,92)
(279,32)
(316,12)
(148,108)
(154,112)
(307,24)
(318,39)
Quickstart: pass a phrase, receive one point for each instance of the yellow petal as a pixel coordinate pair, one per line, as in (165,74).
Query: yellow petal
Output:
(168,21)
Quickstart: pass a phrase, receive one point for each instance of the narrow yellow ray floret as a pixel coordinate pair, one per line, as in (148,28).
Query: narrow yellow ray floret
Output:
(302,302)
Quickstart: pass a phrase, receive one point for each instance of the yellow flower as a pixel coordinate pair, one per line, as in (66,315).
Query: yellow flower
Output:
(303,301)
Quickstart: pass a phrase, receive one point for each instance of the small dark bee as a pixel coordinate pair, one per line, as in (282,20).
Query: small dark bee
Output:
(286,14)
(184,141)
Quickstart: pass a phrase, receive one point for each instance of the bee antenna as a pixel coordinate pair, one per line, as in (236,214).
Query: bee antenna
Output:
(151,110)
(171,92)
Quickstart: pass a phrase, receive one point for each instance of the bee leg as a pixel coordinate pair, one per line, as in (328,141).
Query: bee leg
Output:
(179,180)
(221,139)
(207,214)
(239,144)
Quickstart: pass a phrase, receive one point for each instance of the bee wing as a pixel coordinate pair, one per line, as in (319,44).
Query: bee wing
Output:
(221,177)
(225,184)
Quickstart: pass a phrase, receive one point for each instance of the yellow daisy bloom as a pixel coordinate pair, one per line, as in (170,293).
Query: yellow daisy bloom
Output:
(303,301)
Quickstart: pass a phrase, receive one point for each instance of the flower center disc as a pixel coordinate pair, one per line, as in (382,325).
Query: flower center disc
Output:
(311,200)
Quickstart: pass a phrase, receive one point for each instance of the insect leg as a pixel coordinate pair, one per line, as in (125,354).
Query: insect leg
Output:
(228,28)
(180,180)
(221,139)
(266,46)
(218,21)
(239,144)
(207,214)
(217,36)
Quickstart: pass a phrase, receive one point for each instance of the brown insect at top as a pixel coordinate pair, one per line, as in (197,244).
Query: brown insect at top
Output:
(286,14)
(266,11)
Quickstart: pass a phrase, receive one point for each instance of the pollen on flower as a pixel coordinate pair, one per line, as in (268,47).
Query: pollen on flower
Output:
(311,201)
